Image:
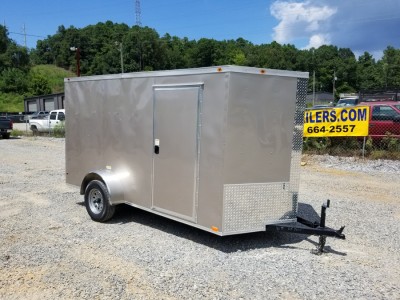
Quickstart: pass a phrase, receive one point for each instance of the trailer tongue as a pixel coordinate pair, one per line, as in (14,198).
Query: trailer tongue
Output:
(303,226)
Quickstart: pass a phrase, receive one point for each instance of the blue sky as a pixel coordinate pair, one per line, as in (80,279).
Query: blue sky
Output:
(361,25)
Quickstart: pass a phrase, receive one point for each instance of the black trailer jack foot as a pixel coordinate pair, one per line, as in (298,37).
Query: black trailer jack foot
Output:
(303,226)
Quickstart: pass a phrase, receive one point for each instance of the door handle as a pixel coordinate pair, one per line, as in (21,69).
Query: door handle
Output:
(156,146)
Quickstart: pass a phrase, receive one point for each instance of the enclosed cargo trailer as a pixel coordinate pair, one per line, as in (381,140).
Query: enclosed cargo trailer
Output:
(216,148)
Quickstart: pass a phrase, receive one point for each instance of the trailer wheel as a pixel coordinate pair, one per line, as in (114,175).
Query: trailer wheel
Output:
(6,135)
(97,201)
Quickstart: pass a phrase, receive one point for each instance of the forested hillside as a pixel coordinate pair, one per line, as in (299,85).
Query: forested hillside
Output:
(22,71)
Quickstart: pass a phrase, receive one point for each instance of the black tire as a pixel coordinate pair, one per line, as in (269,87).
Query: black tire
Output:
(97,202)
(6,136)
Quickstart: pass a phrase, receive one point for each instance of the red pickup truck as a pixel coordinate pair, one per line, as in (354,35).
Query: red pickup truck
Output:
(384,119)
(6,126)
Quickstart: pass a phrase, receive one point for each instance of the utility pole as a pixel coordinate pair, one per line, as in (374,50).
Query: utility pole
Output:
(313,89)
(24,30)
(334,80)
(138,13)
(121,55)
(139,23)
(122,59)
(78,60)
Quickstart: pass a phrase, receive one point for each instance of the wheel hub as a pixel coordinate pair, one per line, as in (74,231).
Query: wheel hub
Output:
(96,201)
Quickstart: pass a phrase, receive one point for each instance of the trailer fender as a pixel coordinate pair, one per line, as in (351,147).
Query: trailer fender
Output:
(113,181)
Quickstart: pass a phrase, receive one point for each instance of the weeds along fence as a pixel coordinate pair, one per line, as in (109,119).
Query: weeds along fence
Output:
(386,148)
(23,130)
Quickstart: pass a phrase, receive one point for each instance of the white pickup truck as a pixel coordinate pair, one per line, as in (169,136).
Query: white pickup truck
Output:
(55,118)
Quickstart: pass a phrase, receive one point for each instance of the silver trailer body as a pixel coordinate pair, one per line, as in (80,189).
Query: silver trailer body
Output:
(217,148)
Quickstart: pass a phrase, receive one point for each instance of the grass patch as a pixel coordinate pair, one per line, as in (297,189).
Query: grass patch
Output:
(17,132)
(11,102)
(59,131)
(54,75)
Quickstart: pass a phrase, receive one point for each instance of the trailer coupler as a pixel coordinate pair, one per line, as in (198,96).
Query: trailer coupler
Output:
(303,226)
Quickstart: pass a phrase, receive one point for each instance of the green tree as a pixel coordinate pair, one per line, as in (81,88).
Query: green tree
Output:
(368,73)
(274,56)
(346,71)
(390,67)
(206,53)
(42,54)
(4,42)
(238,58)
(12,55)
(100,45)
(176,51)
(335,66)
(144,49)
(13,80)
(39,85)
(231,52)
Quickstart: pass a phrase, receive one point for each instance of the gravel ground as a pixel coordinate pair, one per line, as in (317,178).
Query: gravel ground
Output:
(50,249)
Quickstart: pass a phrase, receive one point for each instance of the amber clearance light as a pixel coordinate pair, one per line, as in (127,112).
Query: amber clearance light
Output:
(213,228)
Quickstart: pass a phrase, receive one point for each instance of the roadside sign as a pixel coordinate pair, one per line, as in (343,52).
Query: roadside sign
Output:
(343,121)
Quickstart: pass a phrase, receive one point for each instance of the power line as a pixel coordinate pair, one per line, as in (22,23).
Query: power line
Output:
(25,34)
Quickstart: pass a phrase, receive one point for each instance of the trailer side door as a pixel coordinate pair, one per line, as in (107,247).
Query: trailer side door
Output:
(176,149)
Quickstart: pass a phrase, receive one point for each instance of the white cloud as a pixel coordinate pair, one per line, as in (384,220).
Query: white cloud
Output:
(317,40)
(299,19)
(357,24)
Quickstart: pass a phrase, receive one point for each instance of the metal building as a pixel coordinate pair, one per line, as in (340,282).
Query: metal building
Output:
(44,103)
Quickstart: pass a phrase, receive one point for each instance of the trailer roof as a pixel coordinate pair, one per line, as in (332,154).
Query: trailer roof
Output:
(194,71)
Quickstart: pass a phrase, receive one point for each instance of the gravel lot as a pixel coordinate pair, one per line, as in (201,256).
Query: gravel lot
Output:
(50,249)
